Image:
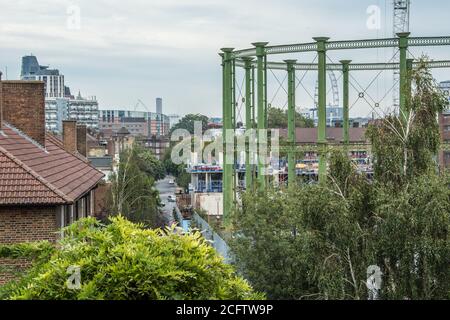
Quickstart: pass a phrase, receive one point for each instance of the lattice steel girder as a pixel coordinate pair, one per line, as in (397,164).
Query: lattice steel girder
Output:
(346,44)
(316,148)
(352,67)
(351,147)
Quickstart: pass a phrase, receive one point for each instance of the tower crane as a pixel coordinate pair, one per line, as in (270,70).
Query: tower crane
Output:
(400,24)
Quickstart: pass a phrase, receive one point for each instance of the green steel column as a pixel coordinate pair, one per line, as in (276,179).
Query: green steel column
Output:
(227,176)
(248,121)
(322,108)
(291,121)
(409,68)
(253,119)
(345,76)
(403,47)
(253,98)
(261,105)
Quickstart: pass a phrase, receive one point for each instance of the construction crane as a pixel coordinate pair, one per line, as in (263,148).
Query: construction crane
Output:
(401,24)
(334,89)
(139,102)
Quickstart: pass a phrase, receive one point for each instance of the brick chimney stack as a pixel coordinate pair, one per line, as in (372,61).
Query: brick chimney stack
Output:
(23,107)
(70,135)
(1,101)
(81,139)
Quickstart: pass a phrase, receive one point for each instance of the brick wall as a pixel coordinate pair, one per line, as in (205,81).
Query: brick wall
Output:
(70,135)
(81,139)
(28,224)
(24,225)
(444,121)
(24,107)
(11,268)
(101,206)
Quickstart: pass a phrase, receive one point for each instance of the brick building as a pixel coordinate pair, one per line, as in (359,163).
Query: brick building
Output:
(444,126)
(45,183)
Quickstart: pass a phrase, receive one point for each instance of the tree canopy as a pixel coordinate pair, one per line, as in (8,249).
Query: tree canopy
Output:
(133,192)
(188,122)
(322,241)
(123,260)
(278,118)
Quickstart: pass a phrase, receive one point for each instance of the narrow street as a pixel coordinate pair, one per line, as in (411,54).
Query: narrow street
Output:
(165,189)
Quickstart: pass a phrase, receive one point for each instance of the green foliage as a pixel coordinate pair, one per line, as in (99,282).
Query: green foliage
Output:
(182,178)
(126,261)
(403,148)
(317,241)
(293,244)
(133,192)
(188,121)
(38,253)
(411,240)
(149,164)
(278,118)
(27,250)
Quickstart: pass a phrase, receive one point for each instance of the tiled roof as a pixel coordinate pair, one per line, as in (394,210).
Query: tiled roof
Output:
(19,185)
(68,176)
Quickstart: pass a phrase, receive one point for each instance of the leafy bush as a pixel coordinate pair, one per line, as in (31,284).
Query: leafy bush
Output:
(125,261)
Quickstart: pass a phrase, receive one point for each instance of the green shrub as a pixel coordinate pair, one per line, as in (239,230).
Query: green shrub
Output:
(125,261)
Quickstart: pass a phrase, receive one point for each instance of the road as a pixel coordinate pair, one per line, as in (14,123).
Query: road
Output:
(165,189)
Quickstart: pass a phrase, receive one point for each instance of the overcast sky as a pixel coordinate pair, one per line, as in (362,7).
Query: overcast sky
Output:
(142,49)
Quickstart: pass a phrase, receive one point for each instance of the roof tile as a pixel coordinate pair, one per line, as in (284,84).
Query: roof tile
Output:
(31,174)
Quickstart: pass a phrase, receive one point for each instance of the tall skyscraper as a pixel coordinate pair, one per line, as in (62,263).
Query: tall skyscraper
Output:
(59,103)
(54,81)
(159,105)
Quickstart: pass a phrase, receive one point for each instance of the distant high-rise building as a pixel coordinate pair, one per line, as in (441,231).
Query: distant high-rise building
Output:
(138,123)
(60,104)
(159,105)
(54,81)
(84,110)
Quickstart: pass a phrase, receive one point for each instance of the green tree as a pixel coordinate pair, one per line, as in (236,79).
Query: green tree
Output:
(278,118)
(133,192)
(188,122)
(317,241)
(404,146)
(123,260)
(149,164)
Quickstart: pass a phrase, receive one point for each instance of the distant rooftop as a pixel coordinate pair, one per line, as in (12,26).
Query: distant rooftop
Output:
(30,66)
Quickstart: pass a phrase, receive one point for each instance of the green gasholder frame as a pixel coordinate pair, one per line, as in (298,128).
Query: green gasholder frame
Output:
(256,111)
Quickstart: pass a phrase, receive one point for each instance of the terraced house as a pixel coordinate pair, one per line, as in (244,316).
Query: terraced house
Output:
(45,182)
